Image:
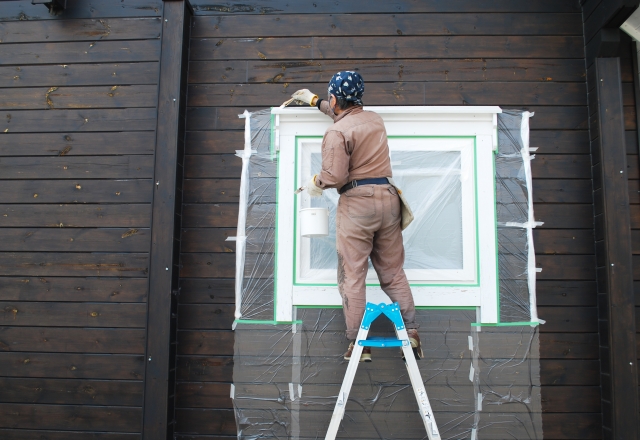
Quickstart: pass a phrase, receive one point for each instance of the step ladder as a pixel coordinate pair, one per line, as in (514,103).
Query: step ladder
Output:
(372,312)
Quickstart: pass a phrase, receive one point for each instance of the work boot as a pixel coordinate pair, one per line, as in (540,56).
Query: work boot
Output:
(364,357)
(414,338)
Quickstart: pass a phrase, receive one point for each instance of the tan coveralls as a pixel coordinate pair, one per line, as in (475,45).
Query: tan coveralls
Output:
(368,217)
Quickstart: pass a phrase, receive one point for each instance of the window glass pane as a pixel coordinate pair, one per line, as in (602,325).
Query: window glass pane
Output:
(430,180)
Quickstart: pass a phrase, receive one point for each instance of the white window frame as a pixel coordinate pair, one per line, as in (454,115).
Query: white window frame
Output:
(476,287)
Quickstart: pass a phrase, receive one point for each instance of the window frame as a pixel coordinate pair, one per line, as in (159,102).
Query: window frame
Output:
(480,123)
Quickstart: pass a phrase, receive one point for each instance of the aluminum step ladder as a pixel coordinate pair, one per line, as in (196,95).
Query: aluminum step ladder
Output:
(371,313)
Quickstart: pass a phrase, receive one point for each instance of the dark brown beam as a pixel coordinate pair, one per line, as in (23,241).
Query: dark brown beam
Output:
(616,302)
(158,416)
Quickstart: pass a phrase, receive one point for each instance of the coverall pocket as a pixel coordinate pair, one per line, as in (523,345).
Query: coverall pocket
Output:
(360,202)
(394,202)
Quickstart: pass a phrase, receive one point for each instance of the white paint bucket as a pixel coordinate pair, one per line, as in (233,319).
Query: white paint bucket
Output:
(314,222)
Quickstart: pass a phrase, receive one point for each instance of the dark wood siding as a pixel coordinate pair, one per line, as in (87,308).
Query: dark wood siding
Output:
(516,54)
(78,97)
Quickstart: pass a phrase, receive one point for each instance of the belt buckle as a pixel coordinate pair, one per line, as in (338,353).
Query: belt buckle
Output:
(354,184)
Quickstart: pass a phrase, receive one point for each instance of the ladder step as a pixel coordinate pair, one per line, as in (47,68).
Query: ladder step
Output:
(381,342)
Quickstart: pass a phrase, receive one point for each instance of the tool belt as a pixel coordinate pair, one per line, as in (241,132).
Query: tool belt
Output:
(354,183)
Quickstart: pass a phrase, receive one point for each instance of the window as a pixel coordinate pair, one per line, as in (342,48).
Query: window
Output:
(442,159)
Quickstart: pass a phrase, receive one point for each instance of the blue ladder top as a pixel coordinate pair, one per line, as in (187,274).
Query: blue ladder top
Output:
(373,312)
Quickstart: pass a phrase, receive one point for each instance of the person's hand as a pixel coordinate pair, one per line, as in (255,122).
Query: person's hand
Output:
(305,96)
(312,189)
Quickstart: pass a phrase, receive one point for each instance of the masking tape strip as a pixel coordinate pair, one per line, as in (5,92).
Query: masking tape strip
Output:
(242,213)
(232,393)
(531,257)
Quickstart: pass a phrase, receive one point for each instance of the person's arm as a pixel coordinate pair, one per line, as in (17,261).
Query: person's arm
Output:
(335,161)
(323,106)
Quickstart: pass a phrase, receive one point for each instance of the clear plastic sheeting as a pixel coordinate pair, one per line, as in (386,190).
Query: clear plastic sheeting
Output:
(482,381)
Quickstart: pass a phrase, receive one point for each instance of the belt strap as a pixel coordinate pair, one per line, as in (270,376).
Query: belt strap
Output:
(354,183)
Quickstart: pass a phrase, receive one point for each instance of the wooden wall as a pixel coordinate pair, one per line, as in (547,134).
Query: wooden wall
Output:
(515,54)
(78,94)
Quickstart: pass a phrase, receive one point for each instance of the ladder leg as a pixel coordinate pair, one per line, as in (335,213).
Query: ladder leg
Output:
(343,395)
(419,389)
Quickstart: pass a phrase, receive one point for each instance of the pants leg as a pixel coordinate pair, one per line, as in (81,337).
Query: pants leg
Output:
(387,255)
(358,217)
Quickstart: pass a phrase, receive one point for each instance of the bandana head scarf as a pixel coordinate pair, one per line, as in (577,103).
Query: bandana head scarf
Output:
(347,85)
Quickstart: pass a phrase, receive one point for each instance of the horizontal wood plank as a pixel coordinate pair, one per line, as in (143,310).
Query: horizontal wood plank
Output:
(44,121)
(65,314)
(81,30)
(71,391)
(74,240)
(77,144)
(77,167)
(73,264)
(73,366)
(566,293)
(565,216)
(263,7)
(96,418)
(207,291)
(572,426)
(206,316)
(76,216)
(569,319)
(568,372)
(78,191)
(401,93)
(31,98)
(557,190)
(566,267)
(215,342)
(384,70)
(103,289)
(28,434)
(563,241)
(60,75)
(386,47)
(208,265)
(25,11)
(72,340)
(546,118)
(287,25)
(569,345)
(81,52)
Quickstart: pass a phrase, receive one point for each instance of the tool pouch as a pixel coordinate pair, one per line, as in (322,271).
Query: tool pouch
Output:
(405,210)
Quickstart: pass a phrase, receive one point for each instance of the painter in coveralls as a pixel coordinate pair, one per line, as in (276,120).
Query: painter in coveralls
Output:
(355,161)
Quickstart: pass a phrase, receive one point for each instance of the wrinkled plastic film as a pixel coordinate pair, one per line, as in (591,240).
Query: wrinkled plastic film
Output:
(482,382)
(514,205)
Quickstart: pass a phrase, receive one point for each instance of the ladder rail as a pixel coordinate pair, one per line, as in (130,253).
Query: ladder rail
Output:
(372,312)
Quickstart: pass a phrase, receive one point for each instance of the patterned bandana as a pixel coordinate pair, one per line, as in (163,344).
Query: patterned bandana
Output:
(347,85)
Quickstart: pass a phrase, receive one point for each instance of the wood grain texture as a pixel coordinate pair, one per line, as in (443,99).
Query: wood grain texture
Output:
(65,314)
(81,52)
(87,167)
(81,30)
(71,391)
(30,98)
(280,25)
(73,366)
(401,93)
(105,290)
(73,264)
(59,216)
(96,418)
(387,47)
(65,121)
(384,70)
(80,190)
(72,340)
(77,144)
(264,7)
(74,240)
(25,11)
(110,74)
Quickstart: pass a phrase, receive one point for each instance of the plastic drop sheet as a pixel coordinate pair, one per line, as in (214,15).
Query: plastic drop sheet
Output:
(483,382)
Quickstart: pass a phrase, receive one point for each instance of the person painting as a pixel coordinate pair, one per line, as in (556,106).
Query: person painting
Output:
(355,161)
